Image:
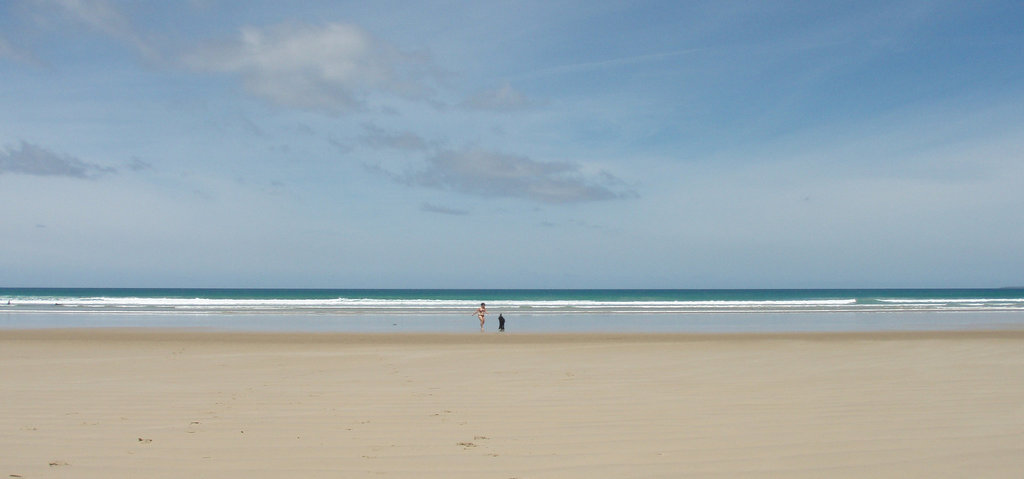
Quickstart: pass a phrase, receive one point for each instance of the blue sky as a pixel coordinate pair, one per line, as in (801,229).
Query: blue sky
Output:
(550,144)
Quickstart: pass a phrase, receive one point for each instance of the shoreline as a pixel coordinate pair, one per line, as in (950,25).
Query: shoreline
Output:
(415,337)
(653,323)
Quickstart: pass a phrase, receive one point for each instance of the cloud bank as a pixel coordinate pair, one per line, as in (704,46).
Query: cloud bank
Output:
(332,68)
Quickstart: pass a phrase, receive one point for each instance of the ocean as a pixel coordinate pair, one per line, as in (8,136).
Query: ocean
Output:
(542,310)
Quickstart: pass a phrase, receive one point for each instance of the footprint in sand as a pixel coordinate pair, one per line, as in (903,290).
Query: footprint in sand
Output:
(468,444)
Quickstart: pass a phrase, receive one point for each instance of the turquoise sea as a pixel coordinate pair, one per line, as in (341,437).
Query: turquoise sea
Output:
(569,310)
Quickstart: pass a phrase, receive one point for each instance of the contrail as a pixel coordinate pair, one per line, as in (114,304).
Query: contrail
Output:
(612,63)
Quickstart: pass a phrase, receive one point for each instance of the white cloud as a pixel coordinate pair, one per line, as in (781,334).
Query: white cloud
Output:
(502,98)
(332,68)
(484,173)
(376,137)
(8,51)
(31,159)
(98,14)
(102,16)
(431,208)
(480,172)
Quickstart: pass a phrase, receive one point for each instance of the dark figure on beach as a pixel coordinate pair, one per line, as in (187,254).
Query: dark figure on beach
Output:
(501,322)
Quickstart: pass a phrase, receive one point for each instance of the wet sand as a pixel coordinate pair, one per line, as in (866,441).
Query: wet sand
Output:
(145,403)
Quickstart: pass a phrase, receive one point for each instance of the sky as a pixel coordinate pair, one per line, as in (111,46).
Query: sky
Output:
(520,144)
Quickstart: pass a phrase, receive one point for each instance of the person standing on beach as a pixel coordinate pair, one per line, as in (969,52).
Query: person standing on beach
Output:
(480,313)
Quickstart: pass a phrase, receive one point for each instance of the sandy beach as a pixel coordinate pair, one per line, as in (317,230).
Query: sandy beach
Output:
(142,403)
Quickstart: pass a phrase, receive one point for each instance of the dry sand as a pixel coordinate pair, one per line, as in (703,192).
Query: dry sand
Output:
(147,404)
